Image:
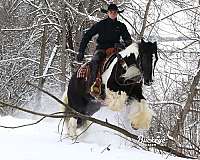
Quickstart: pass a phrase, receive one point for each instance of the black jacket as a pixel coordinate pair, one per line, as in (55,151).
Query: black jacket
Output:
(109,33)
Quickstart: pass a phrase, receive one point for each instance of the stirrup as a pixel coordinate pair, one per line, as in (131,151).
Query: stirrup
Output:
(95,89)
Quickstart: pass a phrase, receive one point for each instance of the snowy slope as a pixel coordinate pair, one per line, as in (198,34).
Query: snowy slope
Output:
(42,141)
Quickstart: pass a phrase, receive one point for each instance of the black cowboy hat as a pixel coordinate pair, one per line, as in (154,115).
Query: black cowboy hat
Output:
(111,7)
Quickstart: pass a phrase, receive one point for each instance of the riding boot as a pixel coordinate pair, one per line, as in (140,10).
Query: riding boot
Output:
(95,83)
(103,93)
(94,70)
(95,89)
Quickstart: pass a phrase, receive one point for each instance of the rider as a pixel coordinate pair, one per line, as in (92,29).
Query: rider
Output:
(109,31)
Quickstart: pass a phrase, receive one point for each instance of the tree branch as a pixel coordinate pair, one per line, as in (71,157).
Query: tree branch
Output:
(32,27)
(145,19)
(185,9)
(73,113)
(185,110)
(113,127)
(53,115)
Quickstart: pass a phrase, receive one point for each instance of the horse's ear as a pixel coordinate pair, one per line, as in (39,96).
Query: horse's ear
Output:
(142,40)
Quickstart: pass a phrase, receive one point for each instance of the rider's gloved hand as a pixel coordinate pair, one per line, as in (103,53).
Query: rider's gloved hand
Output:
(80,57)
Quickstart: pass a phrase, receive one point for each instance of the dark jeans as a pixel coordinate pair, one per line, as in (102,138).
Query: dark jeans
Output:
(99,56)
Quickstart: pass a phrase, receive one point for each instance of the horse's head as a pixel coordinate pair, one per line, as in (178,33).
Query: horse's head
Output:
(146,52)
(137,62)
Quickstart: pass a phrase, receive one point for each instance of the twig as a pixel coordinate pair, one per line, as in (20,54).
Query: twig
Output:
(170,15)
(82,132)
(62,126)
(53,115)
(32,27)
(25,125)
(107,148)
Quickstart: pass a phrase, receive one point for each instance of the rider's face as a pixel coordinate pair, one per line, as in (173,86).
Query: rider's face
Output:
(112,14)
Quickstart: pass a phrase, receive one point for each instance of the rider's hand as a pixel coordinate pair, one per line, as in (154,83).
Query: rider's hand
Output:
(80,57)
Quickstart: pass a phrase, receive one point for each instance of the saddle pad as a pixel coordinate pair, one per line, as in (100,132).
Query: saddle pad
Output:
(83,71)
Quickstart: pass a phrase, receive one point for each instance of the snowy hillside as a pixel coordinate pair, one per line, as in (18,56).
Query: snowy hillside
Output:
(42,141)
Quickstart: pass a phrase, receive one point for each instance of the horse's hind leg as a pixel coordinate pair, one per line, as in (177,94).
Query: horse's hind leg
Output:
(73,124)
(71,127)
(70,123)
(80,122)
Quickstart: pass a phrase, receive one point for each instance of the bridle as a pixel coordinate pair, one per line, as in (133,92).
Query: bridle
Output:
(132,81)
(138,64)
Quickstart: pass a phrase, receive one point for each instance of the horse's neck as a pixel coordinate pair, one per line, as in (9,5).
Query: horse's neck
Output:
(132,49)
(106,75)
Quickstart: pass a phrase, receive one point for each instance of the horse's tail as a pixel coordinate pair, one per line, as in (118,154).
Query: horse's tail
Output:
(64,100)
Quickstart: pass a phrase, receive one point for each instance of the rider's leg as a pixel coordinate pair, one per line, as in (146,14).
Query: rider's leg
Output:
(95,63)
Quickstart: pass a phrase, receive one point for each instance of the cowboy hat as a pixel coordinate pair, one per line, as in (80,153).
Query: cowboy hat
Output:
(111,7)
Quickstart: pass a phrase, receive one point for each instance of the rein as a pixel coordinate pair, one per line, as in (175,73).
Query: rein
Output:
(156,59)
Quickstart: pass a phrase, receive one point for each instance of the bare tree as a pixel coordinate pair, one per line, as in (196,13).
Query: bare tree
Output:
(174,96)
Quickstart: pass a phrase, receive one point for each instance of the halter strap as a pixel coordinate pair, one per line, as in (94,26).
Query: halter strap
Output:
(122,62)
(154,65)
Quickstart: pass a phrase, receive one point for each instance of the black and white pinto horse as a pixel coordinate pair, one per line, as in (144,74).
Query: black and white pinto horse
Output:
(123,86)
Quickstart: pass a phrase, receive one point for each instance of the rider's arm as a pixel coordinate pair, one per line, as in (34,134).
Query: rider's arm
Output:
(87,37)
(126,35)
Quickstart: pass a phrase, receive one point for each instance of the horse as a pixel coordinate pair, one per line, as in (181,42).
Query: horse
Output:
(122,78)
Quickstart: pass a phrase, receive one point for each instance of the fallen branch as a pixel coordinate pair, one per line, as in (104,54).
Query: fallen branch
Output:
(32,112)
(113,127)
(25,125)
(75,114)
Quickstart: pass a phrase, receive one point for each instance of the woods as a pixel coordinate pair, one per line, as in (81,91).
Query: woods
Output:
(39,42)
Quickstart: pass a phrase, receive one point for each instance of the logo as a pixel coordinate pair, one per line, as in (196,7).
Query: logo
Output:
(151,141)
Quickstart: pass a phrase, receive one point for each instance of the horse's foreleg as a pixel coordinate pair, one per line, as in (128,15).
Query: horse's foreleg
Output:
(141,114)
(115,100)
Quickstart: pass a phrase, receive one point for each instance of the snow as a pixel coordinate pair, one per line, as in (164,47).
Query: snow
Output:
(42,141)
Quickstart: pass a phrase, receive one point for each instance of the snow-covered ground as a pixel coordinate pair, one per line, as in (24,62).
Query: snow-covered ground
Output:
(42,141)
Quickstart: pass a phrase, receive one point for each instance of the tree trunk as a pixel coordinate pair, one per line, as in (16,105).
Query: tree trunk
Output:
(179,126)
(145,20)
(41,67)
(63,54)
